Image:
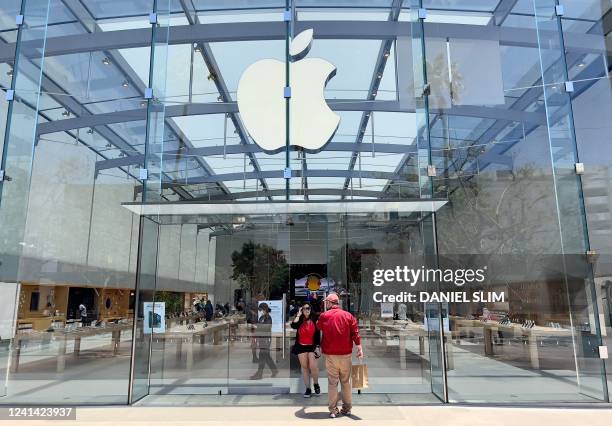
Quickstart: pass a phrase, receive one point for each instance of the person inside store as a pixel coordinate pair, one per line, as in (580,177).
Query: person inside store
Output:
(264,341)
(219,311)
(83,313)
(306,347)
(339,331)
(315,303)
(251,319)
(209,310)
(293,308)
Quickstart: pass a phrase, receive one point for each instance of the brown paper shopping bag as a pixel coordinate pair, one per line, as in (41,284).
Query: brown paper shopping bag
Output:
(359,376)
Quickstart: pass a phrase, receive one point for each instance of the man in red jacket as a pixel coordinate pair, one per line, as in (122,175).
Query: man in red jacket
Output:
(340,331)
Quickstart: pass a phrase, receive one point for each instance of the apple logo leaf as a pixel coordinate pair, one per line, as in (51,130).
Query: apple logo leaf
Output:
(301,44)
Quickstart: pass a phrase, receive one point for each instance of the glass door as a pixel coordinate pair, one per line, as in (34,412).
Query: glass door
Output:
(217,293)
(258,267)
(310,280)
(145,290)
(398,344)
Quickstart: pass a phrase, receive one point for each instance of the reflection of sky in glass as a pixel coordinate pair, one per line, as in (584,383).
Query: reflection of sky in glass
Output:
(354,59)
(235,57)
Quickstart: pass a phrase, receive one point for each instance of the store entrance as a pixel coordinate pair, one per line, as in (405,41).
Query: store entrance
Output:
(206,275)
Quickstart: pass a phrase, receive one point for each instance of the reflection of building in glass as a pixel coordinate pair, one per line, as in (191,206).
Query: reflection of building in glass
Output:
(470,136)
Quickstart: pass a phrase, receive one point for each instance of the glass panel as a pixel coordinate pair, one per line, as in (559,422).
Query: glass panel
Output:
(142,367)
(591,106)
(151,175)
(423,90)
(19,137)
(260,270)
(589,69)
(281,260)
(570,204)
(394,335)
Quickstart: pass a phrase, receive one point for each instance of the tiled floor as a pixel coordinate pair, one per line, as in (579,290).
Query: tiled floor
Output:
(285,400)
(301,414)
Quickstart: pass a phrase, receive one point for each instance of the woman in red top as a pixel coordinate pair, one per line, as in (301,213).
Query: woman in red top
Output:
(307,340)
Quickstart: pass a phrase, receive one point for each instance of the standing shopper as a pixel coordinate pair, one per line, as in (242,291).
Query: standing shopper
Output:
(83,313)
(340,331)
(307,341)
(209,310)
(264,341)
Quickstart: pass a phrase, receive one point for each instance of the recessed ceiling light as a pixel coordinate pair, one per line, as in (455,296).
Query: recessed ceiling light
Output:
(143,103)
(379,76)
(581,65)
(125,83)
(106,61)
(386,54)
(197,48)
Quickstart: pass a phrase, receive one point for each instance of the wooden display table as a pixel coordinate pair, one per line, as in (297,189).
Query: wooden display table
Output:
(515,330)
(63,337)
(183,335)
(41,323)
(405,329)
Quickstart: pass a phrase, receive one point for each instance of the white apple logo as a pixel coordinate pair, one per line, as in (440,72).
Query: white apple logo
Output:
(261,100)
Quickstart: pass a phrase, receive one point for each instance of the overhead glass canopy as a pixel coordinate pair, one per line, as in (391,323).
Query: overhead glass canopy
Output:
(95,88)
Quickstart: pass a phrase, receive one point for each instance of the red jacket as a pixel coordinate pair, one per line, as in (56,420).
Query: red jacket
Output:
(340,331)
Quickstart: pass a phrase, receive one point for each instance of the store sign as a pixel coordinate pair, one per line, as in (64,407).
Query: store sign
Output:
(276,312)
(386,310)
(262,99)
(154,317)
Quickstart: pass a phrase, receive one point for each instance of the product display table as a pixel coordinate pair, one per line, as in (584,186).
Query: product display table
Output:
(41,323)
(185,337)
(404,330)
(515,330)
(62,337)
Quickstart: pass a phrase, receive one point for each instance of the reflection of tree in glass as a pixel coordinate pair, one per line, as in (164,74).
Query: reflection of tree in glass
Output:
(507,221)
(437,75)
(174,301)
(260,269)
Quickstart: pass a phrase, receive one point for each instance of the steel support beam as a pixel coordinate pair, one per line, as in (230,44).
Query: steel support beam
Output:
(502,11)
(379,69)
(271,174)
(216,33)
(93,120)
(207,151)
(281,193)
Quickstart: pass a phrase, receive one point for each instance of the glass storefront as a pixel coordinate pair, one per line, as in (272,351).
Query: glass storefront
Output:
(161,154)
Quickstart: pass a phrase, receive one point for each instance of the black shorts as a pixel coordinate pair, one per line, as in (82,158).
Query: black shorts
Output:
(300,349)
